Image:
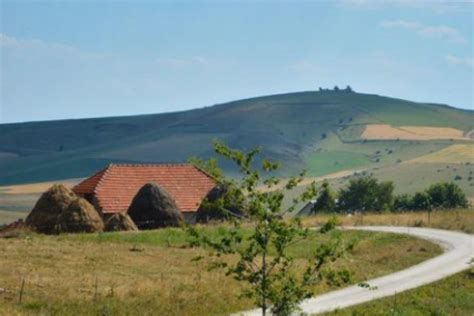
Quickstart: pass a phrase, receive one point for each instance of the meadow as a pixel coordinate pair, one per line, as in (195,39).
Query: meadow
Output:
(152,272)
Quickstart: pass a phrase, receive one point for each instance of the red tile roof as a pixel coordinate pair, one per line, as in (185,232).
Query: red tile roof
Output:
(115,186)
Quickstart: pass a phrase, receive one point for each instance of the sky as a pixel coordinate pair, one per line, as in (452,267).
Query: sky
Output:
(76,59)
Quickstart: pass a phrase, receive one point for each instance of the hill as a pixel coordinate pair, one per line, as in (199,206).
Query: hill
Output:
(321,131)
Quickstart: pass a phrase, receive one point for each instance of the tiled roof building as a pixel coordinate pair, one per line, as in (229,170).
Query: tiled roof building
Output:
(112,189)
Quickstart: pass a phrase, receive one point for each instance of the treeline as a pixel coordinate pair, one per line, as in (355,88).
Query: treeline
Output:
(368,194)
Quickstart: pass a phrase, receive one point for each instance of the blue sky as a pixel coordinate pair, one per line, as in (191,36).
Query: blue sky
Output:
(79,59)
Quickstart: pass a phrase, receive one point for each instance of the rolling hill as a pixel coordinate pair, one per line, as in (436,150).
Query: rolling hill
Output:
(321,131)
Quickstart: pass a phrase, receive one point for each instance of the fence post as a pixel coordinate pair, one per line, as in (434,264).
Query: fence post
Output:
(21,290)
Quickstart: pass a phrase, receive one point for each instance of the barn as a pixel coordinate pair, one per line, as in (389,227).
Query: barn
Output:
(112,189)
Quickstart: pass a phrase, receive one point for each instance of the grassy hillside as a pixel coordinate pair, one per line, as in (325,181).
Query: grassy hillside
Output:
(319,131)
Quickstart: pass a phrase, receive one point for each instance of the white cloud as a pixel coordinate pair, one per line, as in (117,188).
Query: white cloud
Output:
(463,61)
(400,24)
(437,32)
(436,6)
(305,66)
(183,62)
(39,46)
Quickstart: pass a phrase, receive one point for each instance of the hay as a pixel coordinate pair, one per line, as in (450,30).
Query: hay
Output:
(49,206)
(219,205)
(120,222)
(17,228)
(153,207)
(79,217)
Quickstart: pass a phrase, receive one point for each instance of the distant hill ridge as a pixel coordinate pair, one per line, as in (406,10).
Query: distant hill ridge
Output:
(303,130)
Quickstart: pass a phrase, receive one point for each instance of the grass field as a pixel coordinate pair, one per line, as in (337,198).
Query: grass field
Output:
(461,220)
(459,153)
(7,217)
(384,131)
(151,273)
(324,162)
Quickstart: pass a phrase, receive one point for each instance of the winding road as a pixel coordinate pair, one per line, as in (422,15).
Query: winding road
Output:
(459,251)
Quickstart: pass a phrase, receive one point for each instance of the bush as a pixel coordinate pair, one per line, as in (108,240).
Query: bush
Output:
(447,195)
(402,202)
(366,193)
(326,200)
(421,201)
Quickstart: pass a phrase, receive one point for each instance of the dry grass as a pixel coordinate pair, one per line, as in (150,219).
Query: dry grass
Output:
(384,131)
(461,220)
(68,275)
(7,217)
(36,188)
(459,153)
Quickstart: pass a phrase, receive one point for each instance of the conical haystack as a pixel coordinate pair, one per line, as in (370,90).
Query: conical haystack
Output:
(153,207)
(120,222)
(50,205)
(219,204)
(79,217)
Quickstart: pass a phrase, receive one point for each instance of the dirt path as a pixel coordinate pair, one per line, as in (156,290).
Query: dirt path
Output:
(459,251)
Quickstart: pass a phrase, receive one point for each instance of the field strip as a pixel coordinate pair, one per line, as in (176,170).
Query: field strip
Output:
(309,180)
(34,188)
(459,251)
(458,153)
(388,132)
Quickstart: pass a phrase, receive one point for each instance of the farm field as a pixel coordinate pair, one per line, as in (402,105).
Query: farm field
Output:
(461,220)
(453,154)
(7,217)
(151,273)
(384,131)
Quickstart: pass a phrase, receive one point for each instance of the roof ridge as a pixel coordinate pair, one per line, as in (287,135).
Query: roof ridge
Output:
(106,172)
(204,172)
(157,164)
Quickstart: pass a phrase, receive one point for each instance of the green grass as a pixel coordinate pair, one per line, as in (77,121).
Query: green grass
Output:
(450,297)
(325,162)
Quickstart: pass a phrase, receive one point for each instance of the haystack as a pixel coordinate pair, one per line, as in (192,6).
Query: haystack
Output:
(79,217)
(50,205)
(120,222)
(153,207)
(218,205)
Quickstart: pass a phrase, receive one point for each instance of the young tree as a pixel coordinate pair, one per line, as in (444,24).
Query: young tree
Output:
(402,202)
(263,258)
(447,195)
(326,200)
(421,201)
(365,194)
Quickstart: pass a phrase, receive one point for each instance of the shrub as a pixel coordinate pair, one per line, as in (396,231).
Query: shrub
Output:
(421,201)
(402,202)
(366,193)
(326,200)
(447,195)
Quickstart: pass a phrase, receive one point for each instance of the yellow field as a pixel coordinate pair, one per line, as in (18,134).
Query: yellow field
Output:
(462,220)
(7,217)
(34,188)
(385,131)
(459,153)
